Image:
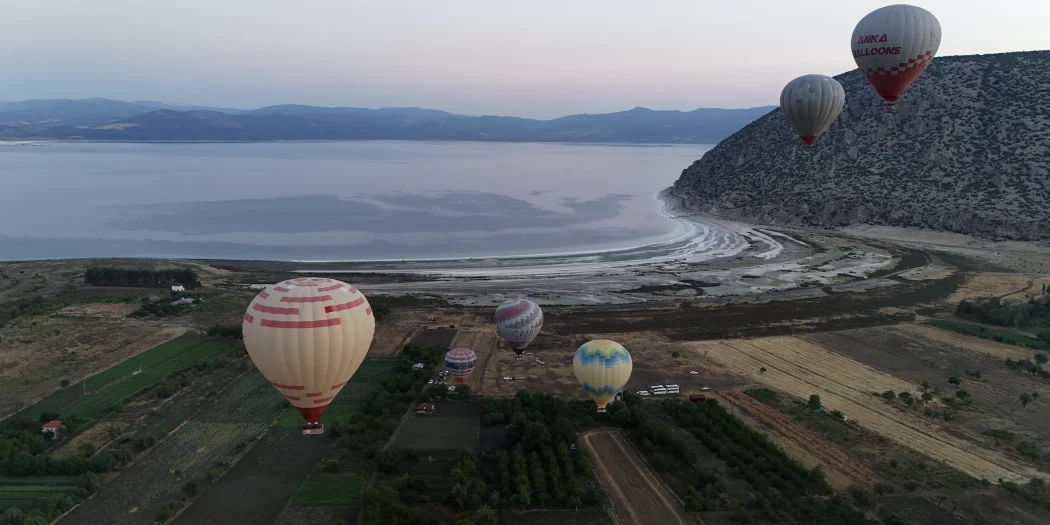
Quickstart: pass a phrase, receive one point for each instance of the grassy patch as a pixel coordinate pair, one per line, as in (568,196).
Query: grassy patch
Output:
(325,489)
(991,334)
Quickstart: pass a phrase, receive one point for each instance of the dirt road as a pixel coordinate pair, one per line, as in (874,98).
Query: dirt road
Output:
(630,483)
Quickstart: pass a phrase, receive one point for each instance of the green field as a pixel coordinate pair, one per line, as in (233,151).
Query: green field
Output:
(992,334)
(325,489)
(365,381)
(33,493)
(121,381)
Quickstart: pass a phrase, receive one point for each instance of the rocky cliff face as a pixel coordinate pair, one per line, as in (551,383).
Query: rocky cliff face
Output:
(967,151)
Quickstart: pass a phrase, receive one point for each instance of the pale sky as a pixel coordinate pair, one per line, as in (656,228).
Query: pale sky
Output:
(535,58)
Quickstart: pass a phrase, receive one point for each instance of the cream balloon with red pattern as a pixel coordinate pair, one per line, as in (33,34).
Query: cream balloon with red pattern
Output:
(892,46)
(308,336)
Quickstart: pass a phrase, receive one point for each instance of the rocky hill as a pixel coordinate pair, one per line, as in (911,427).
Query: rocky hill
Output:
(967,151)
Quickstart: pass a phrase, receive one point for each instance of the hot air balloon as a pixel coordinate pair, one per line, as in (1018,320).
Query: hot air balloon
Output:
(811,103)
(602,368)
(460,363)
(308,336)
(519,322)
(892,46)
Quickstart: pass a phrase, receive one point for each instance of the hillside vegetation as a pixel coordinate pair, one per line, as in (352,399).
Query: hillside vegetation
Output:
(967,151)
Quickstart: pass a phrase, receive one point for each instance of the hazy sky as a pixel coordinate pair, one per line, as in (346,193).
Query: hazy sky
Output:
(535,58)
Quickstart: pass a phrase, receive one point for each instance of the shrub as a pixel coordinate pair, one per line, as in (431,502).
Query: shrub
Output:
(191,489)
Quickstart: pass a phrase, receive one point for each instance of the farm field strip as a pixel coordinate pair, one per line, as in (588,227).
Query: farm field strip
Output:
(137,494)
(800,368)
(158,356)
(630,482)
(972,344)
(95,404)
(340,489)
(31,493)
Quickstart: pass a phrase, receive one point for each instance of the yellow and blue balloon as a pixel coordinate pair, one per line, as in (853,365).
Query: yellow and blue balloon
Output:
(602,368)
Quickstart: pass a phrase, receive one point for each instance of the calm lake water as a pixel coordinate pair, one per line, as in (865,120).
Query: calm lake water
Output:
(331,201)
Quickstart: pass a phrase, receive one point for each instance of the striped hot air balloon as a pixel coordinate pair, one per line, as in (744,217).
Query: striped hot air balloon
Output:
(460,363)
(602,368)
(308,336)
(519,322)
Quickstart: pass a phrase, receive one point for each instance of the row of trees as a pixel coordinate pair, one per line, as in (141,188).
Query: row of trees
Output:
(749,453)
(993,312)
(704,489)
(108,276)
(541,464)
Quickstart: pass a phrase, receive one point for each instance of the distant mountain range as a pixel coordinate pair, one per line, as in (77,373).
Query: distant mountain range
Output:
(968,151)
(100,119)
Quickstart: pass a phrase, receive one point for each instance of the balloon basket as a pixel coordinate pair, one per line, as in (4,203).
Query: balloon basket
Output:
(315,428)
(889,106)
(601,410)
(807,148)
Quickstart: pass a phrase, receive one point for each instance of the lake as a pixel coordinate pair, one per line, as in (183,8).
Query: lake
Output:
(333,201)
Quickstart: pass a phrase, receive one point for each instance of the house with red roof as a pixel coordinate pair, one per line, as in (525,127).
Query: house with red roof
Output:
(51,427)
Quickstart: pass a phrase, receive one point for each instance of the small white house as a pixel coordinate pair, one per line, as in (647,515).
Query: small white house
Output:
(178,288)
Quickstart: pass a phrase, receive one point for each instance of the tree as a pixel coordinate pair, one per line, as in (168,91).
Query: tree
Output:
(762,370)
(954,380)
(675,354)
(12,516)
(927,397)
(190,488)
(889,395)
(861,498)
(925,386)
(1025,399)
(485,516)
(64,383)
(962,394)
(814,401)
(1041,358)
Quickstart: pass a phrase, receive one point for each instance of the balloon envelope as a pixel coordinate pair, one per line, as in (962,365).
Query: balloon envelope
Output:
(893,45)
(519,322)
(308,336)
(602,368)
(811,103)
(460,363)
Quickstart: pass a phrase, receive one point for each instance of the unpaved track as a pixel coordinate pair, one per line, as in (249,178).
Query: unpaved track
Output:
(801,368)
(831,457)
(630,482)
